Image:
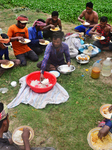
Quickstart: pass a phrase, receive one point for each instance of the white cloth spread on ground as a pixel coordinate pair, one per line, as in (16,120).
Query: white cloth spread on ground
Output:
(25,95)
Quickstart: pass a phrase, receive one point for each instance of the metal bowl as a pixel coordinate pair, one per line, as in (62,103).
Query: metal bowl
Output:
(65,69)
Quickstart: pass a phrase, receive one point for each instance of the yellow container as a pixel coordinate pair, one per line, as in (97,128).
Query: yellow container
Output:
(95,72)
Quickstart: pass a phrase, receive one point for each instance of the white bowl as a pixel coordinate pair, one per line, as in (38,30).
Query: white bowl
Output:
(55,73)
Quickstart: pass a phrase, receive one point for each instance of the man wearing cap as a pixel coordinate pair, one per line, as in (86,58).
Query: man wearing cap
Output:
(35,35)
(17,32)
(6,142)
(4,51)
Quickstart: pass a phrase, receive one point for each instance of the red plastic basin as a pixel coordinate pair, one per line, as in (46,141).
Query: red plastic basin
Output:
(36,76)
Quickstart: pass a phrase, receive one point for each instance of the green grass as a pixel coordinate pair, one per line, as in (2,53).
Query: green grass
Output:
(69,10)
(67,124)
(64,126)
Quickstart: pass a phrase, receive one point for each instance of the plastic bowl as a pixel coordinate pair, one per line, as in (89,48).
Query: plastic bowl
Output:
(55,73)
(36,76)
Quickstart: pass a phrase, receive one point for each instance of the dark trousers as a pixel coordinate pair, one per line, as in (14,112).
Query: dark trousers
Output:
(30,55)
(38,50)
(47,34)
(47,66)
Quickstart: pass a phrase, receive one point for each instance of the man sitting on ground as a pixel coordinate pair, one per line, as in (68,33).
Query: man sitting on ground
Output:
(17,33)
(53,22)
(7,143)
(102,29)
(90,17)
(35,35)
(53,56)
(4,50)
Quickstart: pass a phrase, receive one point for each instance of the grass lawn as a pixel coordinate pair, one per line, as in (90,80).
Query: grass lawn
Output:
(64,126)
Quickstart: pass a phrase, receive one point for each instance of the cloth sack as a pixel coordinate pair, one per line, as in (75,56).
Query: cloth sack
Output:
(74,42)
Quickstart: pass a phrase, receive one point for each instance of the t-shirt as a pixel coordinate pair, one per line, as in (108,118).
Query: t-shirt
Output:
(5,145)
(56,58)
(18,47)
(34,36)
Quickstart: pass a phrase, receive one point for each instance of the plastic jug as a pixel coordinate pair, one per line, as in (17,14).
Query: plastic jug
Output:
(106,68)
(95,73)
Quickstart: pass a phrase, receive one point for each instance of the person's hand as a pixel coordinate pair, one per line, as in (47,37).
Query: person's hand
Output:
(4,41)
(110,109)
(68,64)
(20,38)
(2,46)
(104,131)
(52,26)
(5,62)
(25,137)
(98,34)
(82,21)
(41,77)
(111,30)
(10,141)
(25,134)
(41,40)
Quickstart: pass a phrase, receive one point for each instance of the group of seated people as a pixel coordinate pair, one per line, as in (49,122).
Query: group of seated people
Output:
(53,56)
(101,29)
(18,32)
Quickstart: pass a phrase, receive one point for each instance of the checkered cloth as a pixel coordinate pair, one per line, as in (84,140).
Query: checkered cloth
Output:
(4,113)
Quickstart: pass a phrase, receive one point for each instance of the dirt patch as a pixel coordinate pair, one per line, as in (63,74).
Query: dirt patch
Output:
(68,27)
(44,139)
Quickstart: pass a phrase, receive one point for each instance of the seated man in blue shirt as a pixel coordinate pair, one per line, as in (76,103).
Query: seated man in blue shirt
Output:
(53,56)
(35,35)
